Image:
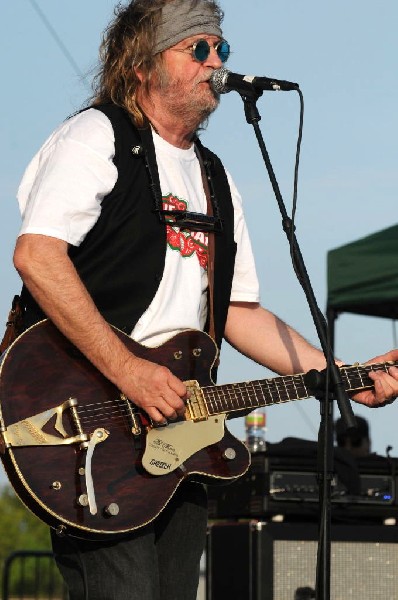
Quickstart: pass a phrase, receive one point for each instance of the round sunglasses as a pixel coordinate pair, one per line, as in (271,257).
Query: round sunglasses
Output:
(200,50)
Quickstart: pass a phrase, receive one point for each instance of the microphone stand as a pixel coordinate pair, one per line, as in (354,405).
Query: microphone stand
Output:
(328,388)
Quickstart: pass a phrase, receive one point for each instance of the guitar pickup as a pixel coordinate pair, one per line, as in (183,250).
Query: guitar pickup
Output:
(30,432)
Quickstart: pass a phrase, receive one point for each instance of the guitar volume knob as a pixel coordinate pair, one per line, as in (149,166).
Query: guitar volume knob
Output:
(82,500)
(112,509)
(229,454)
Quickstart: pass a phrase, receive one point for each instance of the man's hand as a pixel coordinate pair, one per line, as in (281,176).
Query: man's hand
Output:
(385,384)
(155,389)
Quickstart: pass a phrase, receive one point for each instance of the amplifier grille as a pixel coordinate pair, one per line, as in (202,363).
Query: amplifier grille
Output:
(359,570)
(268,561)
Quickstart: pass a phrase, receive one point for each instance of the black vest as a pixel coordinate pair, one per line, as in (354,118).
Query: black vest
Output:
(121,260)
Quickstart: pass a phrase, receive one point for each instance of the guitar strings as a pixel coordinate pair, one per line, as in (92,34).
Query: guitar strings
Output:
(230,397)
(113,410)
(234,397)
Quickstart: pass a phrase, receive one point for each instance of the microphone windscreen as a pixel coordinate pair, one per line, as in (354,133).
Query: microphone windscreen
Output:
(218,80)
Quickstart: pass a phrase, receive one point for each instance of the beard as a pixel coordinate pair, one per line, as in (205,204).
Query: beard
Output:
(192,102)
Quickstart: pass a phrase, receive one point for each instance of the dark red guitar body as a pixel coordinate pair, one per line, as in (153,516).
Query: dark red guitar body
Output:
(42,370)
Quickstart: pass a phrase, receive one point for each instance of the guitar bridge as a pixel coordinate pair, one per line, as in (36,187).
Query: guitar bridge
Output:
(196,406)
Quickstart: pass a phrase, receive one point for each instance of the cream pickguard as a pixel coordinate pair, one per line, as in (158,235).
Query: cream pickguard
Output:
(167,448)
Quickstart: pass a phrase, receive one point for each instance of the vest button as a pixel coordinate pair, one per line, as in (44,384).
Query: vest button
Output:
(158,278)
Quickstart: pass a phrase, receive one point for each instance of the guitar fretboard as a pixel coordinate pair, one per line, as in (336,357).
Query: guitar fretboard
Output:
(233,397)
(251,394)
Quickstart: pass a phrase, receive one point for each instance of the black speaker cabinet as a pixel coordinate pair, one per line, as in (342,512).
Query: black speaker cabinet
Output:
(268,561)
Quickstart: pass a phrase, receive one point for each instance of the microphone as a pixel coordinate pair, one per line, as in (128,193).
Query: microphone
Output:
(223,81)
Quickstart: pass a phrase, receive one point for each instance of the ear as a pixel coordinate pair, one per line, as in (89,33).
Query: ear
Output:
(139,73)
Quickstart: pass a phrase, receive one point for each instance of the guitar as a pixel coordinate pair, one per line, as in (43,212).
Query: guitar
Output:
(87,462)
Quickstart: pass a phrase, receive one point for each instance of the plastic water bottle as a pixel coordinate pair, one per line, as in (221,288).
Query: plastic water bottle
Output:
(255,423)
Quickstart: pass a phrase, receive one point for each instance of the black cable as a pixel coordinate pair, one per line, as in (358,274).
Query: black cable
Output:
(295,183)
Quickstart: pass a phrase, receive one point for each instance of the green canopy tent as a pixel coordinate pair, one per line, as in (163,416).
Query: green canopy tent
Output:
(362,277)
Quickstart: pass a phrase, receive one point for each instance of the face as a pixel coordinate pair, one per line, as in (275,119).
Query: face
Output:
(184,82)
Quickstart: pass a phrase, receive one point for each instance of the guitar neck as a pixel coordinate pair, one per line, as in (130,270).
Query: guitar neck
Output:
(234,397)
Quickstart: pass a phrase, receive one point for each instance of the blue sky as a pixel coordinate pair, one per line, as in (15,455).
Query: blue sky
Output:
(343,55)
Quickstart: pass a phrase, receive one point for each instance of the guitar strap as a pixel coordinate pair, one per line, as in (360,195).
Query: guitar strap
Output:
(206,177)
(211,251)
(14,325)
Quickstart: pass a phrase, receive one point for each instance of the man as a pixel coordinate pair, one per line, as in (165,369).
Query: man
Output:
(99,245)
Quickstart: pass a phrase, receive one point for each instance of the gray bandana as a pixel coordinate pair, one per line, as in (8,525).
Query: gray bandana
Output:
(179,21)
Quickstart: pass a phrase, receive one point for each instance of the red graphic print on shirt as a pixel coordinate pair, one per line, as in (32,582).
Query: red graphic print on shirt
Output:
(187,243)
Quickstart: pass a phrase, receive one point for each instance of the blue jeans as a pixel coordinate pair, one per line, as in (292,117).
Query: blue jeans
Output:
(157,562)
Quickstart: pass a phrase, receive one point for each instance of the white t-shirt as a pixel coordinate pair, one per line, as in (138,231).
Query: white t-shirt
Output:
(60,196)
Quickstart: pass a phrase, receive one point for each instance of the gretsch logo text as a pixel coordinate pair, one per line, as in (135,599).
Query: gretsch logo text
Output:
(160,464)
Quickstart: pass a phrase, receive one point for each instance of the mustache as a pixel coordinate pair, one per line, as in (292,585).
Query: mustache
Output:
(206,77)
(173,85)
